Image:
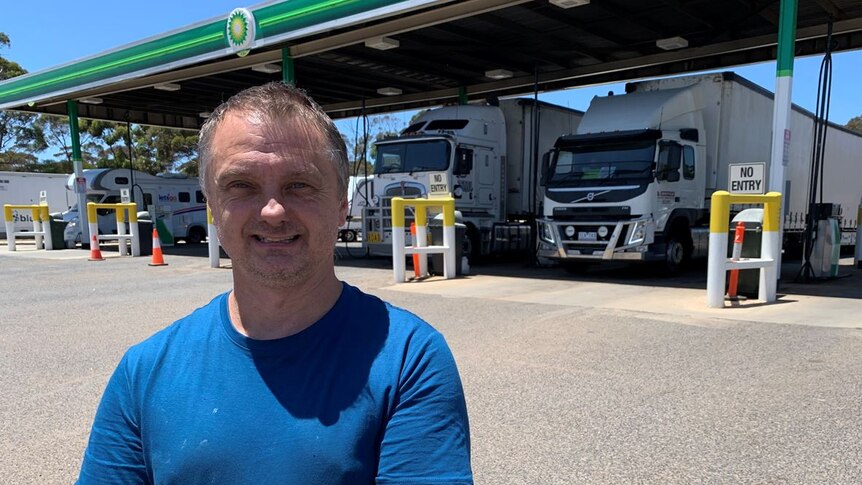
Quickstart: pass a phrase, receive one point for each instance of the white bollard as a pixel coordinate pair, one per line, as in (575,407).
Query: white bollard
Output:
(449,266)
(716,271)
(398,263)
(121,231)
(48,238)
(136,238)
(212,241)
(768,287)
(421,242)
(10,235)
(37,233)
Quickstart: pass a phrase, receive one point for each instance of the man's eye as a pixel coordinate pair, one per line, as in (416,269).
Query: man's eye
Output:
(238,185)
(297,185)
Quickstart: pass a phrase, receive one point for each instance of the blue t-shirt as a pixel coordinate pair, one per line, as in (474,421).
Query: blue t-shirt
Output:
(368,393)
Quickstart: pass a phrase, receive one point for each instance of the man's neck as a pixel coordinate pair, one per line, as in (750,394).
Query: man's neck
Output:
(267,313)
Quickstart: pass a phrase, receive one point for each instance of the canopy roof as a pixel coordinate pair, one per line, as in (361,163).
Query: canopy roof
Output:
(443,47)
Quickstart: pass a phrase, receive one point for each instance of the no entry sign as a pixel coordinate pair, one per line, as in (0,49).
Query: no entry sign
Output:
(747,178)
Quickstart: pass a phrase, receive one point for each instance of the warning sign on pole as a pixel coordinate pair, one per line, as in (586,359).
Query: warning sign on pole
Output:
(747,178)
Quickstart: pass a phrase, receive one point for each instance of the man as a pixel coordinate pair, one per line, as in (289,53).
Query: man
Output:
(293,376)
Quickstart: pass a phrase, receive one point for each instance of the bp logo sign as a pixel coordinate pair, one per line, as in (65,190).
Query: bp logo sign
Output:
(240,31)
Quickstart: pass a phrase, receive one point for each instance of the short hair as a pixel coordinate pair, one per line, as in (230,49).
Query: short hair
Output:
(272,101)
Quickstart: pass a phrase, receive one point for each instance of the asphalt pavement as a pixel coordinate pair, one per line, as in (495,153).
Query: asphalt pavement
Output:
(616,376)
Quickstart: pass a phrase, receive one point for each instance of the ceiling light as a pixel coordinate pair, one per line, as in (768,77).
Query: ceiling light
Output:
(205,114)
(382,43)
(672,43)
(167,87)
(389,91)
(266,68)
(91,100)
(498,74)
(569,3)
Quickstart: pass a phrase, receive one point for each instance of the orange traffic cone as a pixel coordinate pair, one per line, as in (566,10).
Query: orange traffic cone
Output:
(158,258)
(95,252)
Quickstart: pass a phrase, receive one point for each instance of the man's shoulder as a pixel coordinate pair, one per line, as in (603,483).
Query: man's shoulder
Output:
(402,325)
(194,327)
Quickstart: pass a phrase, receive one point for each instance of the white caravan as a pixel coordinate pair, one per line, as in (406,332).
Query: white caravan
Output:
(23,188)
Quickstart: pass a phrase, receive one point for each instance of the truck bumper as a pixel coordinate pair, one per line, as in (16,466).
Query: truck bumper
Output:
(628,240)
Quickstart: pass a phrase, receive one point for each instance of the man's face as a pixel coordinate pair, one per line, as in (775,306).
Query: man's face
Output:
(275,200)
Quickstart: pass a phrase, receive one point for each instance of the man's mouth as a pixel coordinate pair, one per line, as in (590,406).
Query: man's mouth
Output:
(275,240)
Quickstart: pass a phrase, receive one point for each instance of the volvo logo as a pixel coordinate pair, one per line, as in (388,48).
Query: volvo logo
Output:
(591,196)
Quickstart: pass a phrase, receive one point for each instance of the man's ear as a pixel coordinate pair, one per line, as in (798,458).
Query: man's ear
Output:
(342,210)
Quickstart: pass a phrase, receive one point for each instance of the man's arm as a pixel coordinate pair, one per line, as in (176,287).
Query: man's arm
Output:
(115,453)
(427,438)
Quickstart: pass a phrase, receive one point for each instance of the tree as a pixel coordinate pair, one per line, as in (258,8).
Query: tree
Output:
(855,124)
(18,140)
(379,127)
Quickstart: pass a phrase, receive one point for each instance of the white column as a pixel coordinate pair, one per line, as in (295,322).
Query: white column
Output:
(398,264)
(10,235)
(121,231)
(716,270)
(769,249)
(421,242)
(449,266)
(37,231)
(136,238)
(213,244)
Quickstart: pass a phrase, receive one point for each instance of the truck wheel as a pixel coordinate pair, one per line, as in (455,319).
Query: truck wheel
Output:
(348,235)
(677,252)
(470,244)
(196,235)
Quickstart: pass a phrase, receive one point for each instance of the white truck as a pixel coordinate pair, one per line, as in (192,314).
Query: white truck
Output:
(634,182)
(23,188)
(176,199)
(490,161)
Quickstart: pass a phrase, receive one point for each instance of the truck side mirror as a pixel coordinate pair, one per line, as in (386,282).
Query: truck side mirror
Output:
(546,164)
(463,161)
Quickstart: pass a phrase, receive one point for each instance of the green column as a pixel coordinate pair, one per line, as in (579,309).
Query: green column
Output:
(72,109)
(78,167)
(288,71)
(781,134)
(462,95)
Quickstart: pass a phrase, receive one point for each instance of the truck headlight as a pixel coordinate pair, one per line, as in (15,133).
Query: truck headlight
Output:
(638,233)
(546,233)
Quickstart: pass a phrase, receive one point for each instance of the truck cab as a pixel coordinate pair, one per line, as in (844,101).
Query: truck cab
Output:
(465,143)
(630,185)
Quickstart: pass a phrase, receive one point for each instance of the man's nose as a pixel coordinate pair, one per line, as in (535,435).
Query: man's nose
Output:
(274,209)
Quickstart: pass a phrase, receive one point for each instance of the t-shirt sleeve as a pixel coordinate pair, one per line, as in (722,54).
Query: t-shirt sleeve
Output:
(114,453)
(427,437)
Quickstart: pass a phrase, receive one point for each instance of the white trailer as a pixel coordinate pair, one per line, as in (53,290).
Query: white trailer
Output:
(176,200)
(634,183)
(489,158)
(23,188)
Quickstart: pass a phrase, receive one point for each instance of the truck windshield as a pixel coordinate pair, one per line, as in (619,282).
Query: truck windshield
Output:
(617,163)
(412,156)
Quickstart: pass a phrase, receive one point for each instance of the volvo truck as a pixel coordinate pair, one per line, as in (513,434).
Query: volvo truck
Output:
(489,156)
(634,182)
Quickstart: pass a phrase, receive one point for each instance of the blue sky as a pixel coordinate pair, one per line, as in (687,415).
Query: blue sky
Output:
(46,33)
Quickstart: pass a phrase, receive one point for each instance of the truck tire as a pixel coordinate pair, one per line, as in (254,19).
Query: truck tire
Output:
(678,247)
(470,244)
(196,235)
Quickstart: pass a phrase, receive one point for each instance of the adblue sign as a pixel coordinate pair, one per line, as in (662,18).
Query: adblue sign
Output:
(747,178)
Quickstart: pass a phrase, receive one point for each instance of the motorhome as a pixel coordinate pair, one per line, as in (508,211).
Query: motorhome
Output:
(175,200)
